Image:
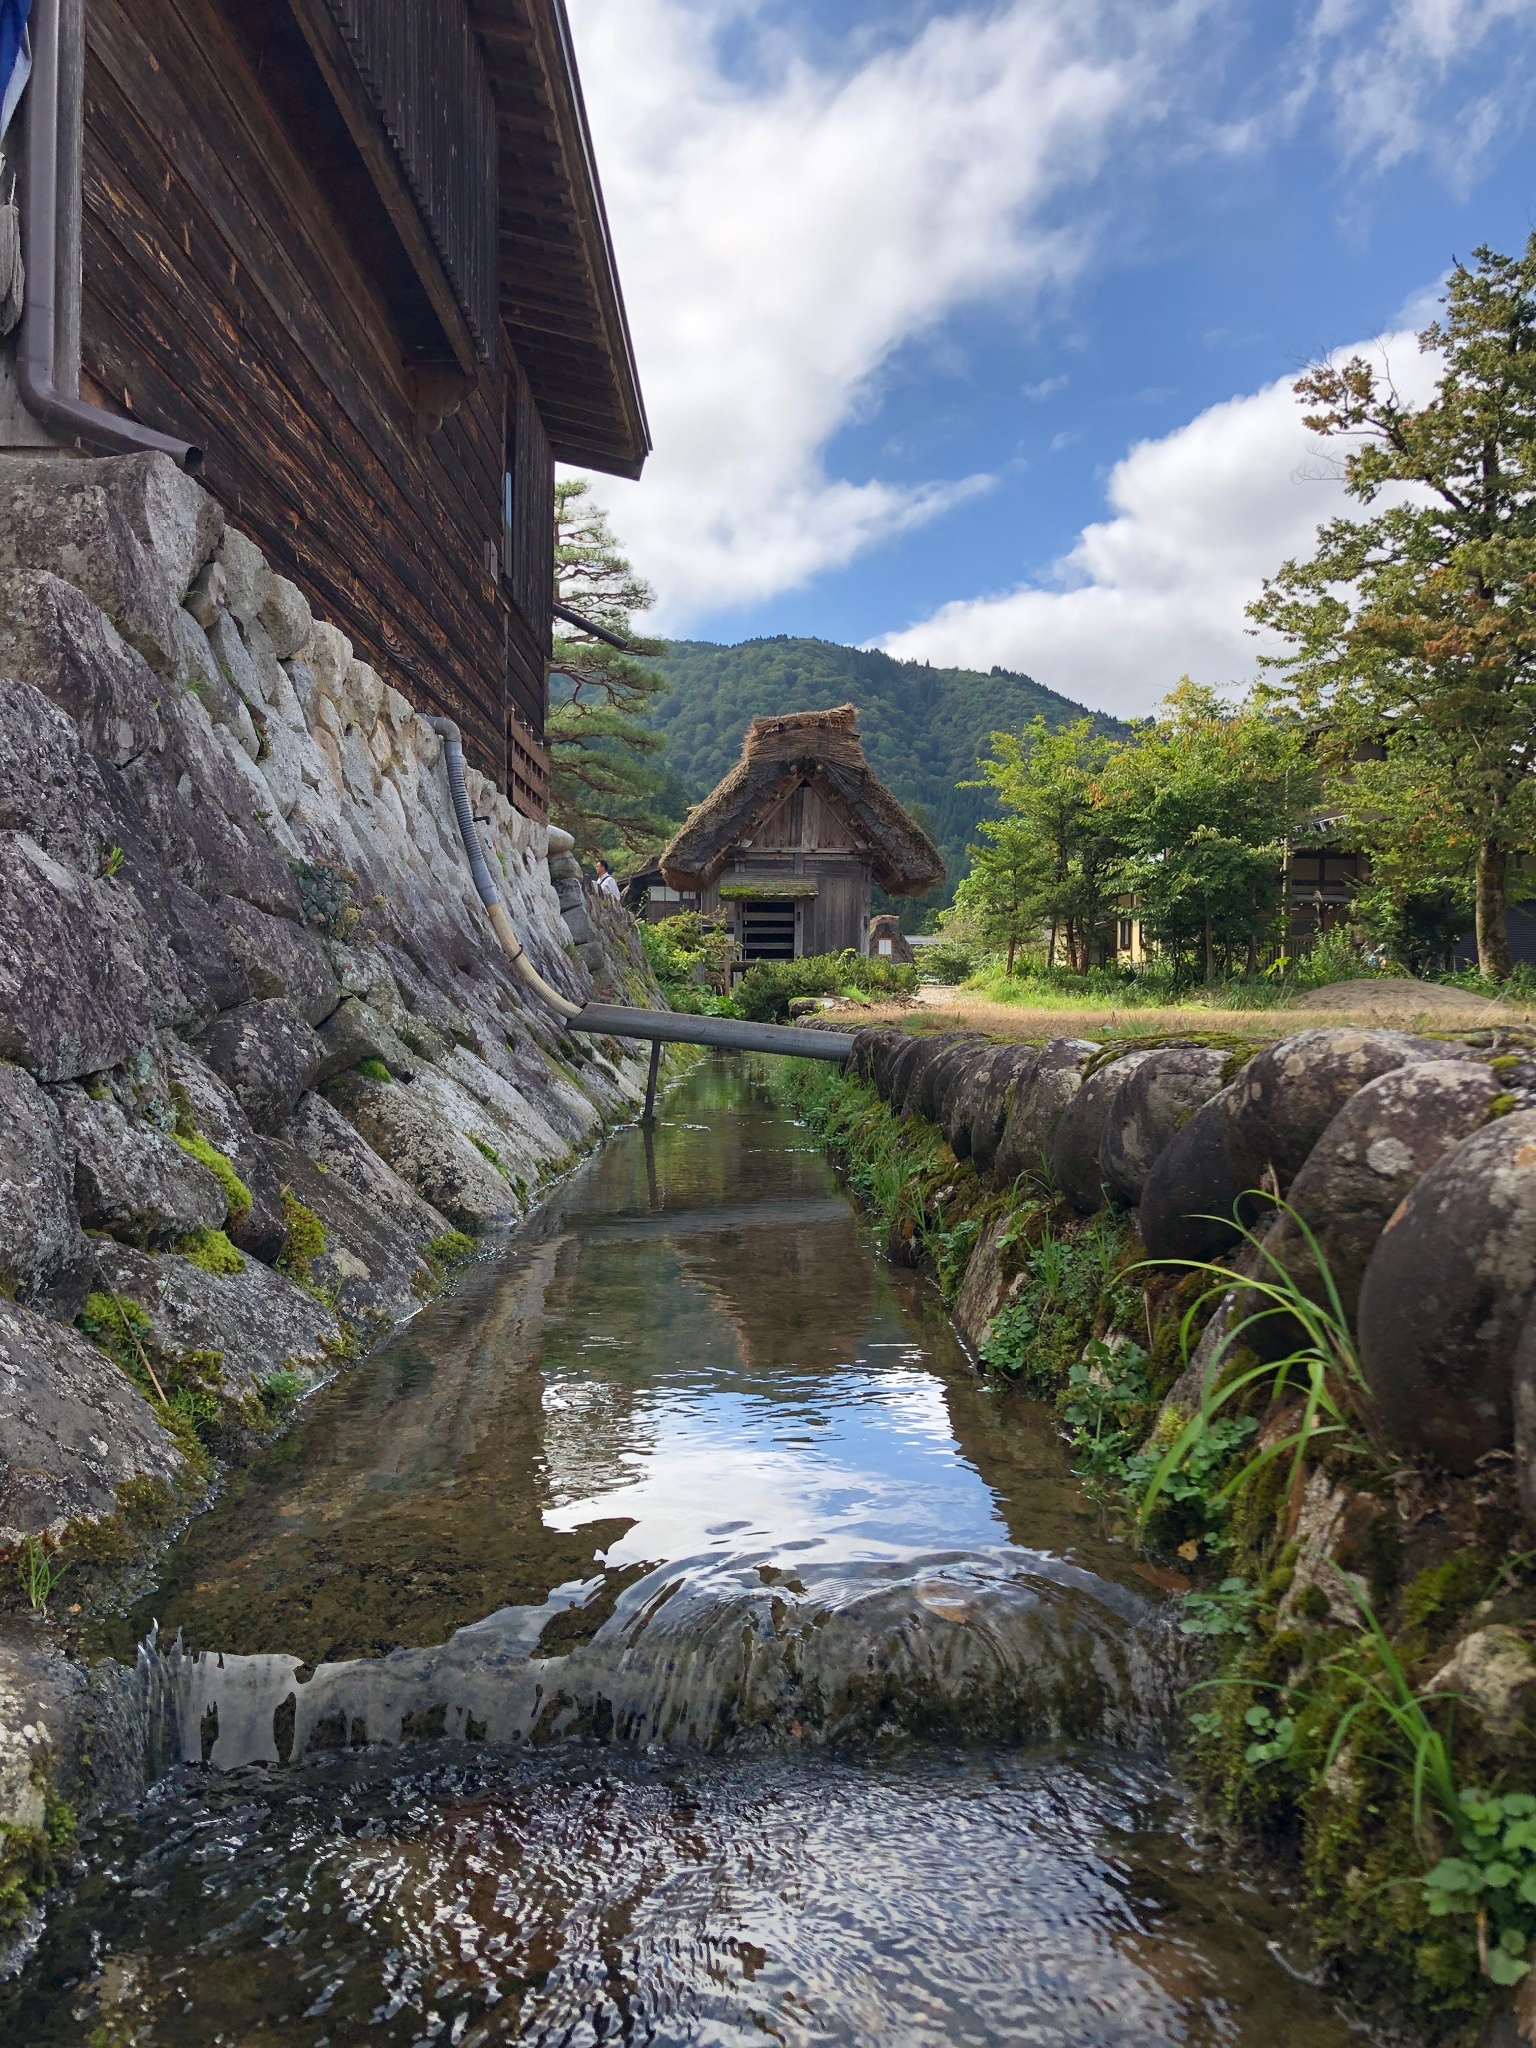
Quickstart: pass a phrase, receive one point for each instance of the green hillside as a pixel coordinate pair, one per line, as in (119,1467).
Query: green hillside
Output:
(922,727)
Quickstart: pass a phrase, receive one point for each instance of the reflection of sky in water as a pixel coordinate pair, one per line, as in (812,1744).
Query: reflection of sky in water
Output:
(863,1465)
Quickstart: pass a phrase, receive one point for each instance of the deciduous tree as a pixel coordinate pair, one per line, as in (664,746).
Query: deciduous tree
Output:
(1413,632)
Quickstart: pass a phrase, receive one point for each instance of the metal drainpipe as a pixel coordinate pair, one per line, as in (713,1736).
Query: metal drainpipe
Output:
(614,1020)
(71,417)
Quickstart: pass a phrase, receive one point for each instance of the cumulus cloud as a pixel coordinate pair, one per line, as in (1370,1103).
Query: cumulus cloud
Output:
(1199,518)
(782,236)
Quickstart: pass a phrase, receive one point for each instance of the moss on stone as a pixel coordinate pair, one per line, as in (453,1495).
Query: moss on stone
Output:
(306,1238)
(212,1251)
(236,1193)
(374,1069)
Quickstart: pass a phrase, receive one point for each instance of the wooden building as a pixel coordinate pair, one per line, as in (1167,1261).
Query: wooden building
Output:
(790,842)
(354,252)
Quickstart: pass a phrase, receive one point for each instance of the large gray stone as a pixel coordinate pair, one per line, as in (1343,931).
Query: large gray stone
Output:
(1193,1188)
(247,579)
(1074,1154)
(926,1052)
(356,1032)
(287,618)
(961,1101)
(1445,1297)
(376,1227)
(1382,1142)
(73,995)
(267,1054)
(132,1180)
(75,1429)
(234,845)
(868,1045)
(988,1100)
(50,787)
(258,1320)
(52,636)
(131,531)
(208,1104)
(195,956)
(199,843)
(1288,1093)
(1158,1099)
(940,1076)
(280,958)
(1039,1104)
(40,1237)
(409,1131)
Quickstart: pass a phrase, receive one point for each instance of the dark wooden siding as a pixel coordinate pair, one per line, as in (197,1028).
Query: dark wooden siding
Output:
(225,301)
(422,68)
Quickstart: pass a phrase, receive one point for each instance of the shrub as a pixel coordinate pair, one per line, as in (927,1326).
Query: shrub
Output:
(766,990)
(948,962)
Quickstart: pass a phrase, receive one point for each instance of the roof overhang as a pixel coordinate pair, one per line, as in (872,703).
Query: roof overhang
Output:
(561,307)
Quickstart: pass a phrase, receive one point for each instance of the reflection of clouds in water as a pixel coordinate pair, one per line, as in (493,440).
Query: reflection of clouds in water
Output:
(865,1466)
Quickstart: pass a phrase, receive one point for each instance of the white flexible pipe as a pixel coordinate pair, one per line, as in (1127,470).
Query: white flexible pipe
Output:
(485,888)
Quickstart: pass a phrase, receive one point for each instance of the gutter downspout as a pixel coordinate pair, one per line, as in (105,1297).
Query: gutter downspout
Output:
(72,418)
(614,1020)
(570,618)
(485,888)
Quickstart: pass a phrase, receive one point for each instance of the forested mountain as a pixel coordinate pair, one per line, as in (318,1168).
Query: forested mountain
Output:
(922,727)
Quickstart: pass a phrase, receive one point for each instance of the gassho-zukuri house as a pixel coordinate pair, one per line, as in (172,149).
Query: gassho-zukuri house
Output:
(791,843)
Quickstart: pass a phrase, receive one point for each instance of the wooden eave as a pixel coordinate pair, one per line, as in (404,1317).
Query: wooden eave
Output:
(561,307)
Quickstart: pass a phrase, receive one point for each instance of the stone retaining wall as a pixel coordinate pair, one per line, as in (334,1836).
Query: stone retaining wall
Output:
(260,1058)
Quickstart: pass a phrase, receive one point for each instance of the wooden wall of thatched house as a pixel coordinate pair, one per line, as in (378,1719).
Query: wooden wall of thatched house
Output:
(789,845)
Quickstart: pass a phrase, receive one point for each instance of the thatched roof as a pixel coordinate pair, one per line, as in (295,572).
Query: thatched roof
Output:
(822,748)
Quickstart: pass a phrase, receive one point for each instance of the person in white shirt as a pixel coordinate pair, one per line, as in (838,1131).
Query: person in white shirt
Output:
(607,883)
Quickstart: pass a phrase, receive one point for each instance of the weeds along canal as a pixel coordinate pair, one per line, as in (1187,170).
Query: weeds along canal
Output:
(666,1638)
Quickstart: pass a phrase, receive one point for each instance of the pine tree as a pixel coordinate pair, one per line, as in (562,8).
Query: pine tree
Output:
(607,786)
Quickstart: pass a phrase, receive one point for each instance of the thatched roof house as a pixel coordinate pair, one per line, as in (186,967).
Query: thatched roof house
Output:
(791,841)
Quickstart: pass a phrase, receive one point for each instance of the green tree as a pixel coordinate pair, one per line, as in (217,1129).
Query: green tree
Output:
(1000,898)
(1413,632)
(608,785)
(1046,784)
(1201,803)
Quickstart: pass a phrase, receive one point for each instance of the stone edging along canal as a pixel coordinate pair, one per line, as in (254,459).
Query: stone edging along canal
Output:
(1340,1455)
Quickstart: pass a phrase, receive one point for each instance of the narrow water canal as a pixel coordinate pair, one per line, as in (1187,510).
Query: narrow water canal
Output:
(765,1678)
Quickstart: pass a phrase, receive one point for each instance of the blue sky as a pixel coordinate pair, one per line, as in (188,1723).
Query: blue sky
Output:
(961,326)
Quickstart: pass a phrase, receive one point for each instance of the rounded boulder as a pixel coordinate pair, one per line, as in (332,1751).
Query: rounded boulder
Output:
(1188,1198)
(930,1096)
(1446,1295)
(978,1113)
(1289,1093)
(1163,1093)
(1383,1141)
(1039,1104)
(1075,1145)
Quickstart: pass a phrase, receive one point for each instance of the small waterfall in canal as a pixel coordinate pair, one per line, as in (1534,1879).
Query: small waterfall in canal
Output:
(667,1638)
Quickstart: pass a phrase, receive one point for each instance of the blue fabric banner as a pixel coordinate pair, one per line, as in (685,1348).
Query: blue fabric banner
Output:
(15,56)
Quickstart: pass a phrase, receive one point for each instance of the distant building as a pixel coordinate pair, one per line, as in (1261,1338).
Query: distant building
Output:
(887,940)
(790,844)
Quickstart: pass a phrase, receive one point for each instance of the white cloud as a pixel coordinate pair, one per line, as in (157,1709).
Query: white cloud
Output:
(780,240)
(1200,517)
(1046,388)
(1385,70)
(786,228)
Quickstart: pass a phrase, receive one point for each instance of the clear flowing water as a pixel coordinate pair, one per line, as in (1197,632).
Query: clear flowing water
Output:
(665,1639)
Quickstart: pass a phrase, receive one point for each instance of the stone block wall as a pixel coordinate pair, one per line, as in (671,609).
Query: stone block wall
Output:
(259,1053)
